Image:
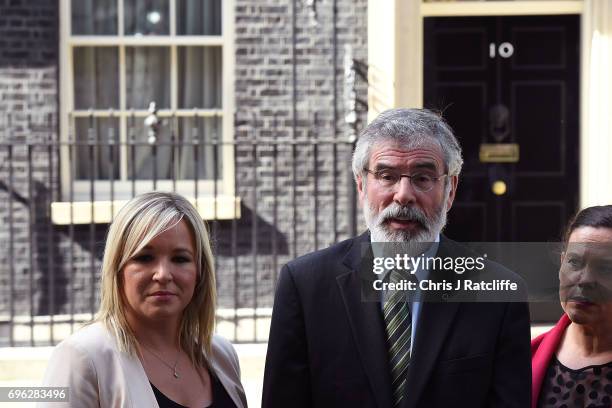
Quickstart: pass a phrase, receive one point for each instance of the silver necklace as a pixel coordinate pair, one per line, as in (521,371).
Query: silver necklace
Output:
(171,367)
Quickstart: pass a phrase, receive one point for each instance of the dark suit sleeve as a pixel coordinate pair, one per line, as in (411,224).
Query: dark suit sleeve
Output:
(512,369)
(287,375)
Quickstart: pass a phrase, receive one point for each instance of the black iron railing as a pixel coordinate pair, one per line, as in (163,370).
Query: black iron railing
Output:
(266,201)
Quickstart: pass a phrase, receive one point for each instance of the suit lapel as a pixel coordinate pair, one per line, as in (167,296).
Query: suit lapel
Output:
(233,390)
(365,319)
(435,320)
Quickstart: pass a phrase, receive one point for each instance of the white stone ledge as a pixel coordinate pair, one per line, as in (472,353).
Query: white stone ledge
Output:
(483,8)
(102,212)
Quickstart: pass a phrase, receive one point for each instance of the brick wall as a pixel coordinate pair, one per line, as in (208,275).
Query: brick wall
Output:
(28,112)
(264,103)
(56,261)
(28,33)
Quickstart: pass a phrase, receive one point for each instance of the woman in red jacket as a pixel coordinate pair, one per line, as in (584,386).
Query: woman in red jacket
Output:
(572,363)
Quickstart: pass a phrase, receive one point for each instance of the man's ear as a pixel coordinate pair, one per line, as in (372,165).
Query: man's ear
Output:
(360,190)
(454,180)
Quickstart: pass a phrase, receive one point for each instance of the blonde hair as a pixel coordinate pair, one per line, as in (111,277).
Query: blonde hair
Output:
(137,223)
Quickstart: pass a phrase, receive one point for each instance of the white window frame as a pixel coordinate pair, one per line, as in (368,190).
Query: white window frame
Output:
(395,60)
(395,41)
(123,188)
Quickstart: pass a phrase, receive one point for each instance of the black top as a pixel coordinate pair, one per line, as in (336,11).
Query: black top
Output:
(589,386)
(221,398)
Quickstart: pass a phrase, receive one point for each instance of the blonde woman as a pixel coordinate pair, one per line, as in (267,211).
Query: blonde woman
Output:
(152,342)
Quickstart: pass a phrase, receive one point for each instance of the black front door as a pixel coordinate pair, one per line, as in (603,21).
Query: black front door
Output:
(511,84)
(509,88)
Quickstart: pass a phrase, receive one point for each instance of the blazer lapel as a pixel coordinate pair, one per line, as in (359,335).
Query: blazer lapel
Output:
(435,320)
(139,388)
(228,384)
(365,319)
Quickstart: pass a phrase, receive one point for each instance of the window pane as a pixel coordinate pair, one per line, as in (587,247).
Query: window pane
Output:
(143,158)
(147,17)
(94,17)
(148,77)
(200,77)
(205,130)
(96,77)
(98,159)
(198,17)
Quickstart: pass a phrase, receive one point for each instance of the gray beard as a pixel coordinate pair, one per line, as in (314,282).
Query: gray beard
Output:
(380,232)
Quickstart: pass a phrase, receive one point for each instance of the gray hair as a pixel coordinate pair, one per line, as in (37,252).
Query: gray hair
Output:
(411,128)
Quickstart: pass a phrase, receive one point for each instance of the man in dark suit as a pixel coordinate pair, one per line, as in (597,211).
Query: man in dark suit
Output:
(336,342)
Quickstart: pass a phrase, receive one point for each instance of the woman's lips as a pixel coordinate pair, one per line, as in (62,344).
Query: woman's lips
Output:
(162,295)
(582,301)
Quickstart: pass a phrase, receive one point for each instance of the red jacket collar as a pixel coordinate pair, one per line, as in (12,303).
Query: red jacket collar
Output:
(542,349)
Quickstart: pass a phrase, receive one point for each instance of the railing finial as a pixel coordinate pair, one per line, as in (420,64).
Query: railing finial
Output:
(152,122)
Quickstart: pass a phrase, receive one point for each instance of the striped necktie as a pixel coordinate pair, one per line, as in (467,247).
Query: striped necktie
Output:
(398,321)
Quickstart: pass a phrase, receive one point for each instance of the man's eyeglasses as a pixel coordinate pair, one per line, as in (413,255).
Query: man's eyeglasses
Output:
(422,182)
